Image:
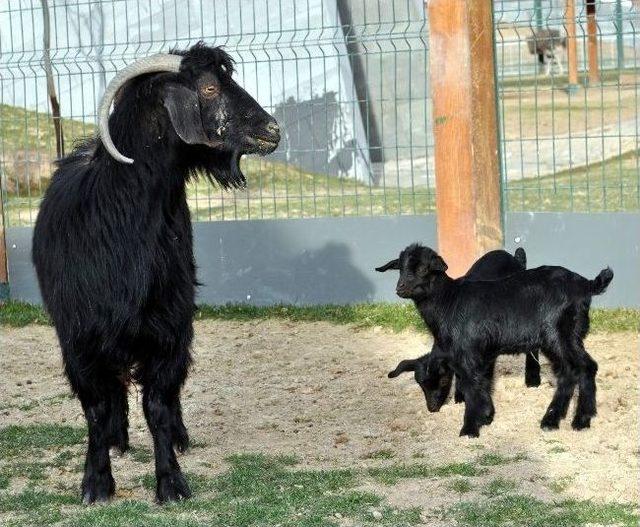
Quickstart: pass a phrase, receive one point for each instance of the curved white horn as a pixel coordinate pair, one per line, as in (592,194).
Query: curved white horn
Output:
(152,64)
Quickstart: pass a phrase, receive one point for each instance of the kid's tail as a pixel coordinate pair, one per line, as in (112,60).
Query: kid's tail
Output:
(521,257)
(599,283)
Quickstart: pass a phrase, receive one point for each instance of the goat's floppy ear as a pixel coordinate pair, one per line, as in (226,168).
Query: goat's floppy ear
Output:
(393,264)
(436,263)
(184,111)
(402,367)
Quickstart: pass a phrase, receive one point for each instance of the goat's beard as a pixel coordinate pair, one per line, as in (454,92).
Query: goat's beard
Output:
(221,167)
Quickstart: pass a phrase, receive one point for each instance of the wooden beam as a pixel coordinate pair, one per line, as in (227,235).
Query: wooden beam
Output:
(572,45)
(592,42)
(462,77)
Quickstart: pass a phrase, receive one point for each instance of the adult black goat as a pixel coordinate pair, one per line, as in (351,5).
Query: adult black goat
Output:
(474,321)
(491,266)
(113,246)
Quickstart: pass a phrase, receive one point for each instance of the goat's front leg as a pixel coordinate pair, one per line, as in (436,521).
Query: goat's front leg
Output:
(162,381)
(478,405)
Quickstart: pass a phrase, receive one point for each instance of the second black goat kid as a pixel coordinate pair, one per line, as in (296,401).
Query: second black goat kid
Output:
(472,322)
(436,382)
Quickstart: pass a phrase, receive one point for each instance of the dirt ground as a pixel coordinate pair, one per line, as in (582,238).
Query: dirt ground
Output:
(320,391)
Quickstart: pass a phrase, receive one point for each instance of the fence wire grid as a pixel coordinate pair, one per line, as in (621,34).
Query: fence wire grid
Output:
(348,82)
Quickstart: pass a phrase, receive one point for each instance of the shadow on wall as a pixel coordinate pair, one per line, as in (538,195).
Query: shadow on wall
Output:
(271,270)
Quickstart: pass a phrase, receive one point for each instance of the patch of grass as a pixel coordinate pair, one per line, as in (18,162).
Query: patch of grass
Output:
(397,317)
(21,440)
(498,487)
(140,454)
(5,479)
(461,486)
(384,453)
(492,459)
(263,490)
(559,485)
(609,186)
(32,470)
(526,511)
(36,507)
(557,449)
(392,474)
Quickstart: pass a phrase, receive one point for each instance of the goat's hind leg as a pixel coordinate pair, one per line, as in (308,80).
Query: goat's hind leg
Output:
(566,377)
(586,407)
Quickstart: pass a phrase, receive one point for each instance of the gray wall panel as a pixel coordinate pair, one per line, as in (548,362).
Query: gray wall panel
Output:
(331,260)
(585,243)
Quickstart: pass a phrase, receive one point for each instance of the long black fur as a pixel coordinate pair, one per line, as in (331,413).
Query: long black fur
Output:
(474,321)
(113,252)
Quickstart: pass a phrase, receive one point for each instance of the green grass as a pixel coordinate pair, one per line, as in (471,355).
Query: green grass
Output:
(384,453)
(461,486)
(498,487)
(610,186)
(140,454)
(390,475)
(255,490)
(526,511)
(493,459)
(24,440)
(396,317)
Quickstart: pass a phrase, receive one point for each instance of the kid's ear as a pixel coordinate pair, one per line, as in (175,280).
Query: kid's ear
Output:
(393,264)
(403,366)
(436,263)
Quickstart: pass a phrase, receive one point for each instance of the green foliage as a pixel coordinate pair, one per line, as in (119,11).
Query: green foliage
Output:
(397,317)
(392,474)
(526,511)
(21,440)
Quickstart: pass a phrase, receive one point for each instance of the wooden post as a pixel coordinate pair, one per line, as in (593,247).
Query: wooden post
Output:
(592,42)
(463,87)
(572,45)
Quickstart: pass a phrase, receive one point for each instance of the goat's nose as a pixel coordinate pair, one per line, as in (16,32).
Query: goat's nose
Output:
(273,127)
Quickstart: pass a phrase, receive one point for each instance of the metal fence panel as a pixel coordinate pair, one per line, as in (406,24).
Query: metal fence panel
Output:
(348,79)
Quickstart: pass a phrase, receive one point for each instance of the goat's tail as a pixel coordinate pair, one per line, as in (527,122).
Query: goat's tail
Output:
(521,257)
(599,283)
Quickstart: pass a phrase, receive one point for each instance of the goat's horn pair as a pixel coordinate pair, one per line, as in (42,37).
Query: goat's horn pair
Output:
(153,64)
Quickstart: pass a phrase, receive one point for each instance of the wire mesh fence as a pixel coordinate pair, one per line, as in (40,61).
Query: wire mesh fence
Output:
(569,148)
(348,83)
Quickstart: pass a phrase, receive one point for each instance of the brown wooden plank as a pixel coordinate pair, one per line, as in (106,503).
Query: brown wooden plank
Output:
(572,45)
(463,88)
(592,42)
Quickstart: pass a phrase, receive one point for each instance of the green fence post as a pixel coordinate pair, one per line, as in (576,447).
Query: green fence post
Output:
(619,41)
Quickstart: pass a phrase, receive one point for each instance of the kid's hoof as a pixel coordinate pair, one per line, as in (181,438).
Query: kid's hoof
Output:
(580,422)
(532,382)
(470,431)
(549,423)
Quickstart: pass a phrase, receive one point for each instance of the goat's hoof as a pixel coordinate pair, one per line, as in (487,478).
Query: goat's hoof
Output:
(172,487)
(458,398)
(97,488)
(549,423)
(487,419)
(580,422)
(470,431)
(534,382)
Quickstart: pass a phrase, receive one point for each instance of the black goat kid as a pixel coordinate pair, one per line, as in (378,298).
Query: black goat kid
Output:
(113,246)
(436,382)
(474,321)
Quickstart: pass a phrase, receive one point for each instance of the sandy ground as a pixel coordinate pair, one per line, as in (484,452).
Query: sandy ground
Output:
(320,391)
